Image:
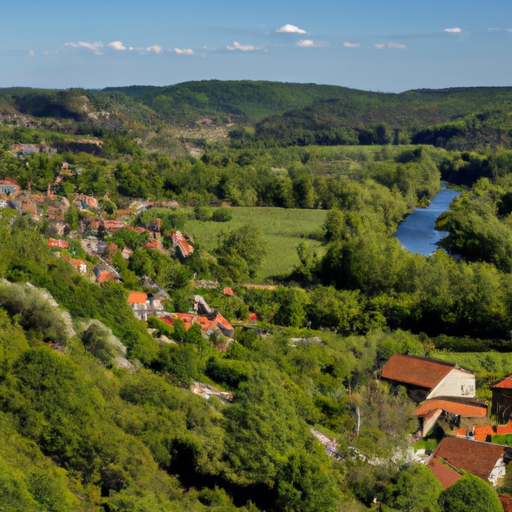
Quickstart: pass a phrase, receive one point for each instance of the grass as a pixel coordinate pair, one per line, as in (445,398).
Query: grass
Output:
(282,228)
(494,362)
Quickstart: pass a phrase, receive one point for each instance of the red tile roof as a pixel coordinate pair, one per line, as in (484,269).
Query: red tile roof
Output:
(483,433)
(471,456)
(506,383)
(446,475)
(506,502)
(107,276)
(52,242)
(137,298)
(228,291)
(452,407)
(418,371)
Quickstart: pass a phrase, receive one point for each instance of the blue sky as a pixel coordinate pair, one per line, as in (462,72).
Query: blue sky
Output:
(379,45)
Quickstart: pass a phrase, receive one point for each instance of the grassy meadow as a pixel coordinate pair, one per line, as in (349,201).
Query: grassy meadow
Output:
(282,228)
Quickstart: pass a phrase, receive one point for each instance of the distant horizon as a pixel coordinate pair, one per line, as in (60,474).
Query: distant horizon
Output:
(255,80)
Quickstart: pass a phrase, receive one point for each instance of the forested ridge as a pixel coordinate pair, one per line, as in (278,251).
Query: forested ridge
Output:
(96,407)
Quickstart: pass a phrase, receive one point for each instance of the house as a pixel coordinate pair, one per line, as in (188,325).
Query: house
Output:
(208,322)
(104,272)
(126,253)
(78,265)
(124,214)
(144,305)
(427,378)
(502,399)
(452,410)
(181,246)
(485,460)
(8,188)
(228,291)
(137,301)
(113,225)
(62,244)
(92,224)
(153,244)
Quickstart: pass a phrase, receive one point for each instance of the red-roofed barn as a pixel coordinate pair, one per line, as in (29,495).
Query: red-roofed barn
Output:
(427,378)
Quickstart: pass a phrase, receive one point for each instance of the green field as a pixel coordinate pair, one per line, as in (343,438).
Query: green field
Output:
(282,228)
(494,362)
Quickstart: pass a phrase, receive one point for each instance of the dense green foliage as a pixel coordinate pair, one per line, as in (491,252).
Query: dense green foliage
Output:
(472,494)
(88,424)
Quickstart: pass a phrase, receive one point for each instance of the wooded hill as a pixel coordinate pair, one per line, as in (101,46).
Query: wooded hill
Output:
(292,114)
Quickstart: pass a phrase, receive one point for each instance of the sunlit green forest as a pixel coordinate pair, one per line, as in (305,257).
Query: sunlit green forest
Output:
(297,188)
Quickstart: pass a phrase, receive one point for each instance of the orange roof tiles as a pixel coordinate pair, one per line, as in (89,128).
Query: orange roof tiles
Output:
(106,276)
(446,475)
(471,456)
(52,242)
(506,429)
(506,383)
(228,291)
(418,371)
(137,298)
(483,433)
(452,407)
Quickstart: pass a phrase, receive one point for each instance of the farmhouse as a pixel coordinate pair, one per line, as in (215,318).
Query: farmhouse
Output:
(485,460)
(502,399)
(427,378)
(452,410)
(180,244)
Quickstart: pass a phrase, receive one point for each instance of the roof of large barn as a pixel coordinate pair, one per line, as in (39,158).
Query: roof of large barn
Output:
(419,371)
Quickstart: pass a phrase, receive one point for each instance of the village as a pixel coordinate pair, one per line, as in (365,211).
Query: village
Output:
(444,393)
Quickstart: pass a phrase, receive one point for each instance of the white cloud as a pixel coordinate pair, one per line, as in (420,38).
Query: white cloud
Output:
(493,29)
(346,44)
(393,46)
(155,48)
(509,29)
(117,45)
(31,53)
(244,47)
(94,47)
(305,42)
(455,30)
(184,51)
(291,29)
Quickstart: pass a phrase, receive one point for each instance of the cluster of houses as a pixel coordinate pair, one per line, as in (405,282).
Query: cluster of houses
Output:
(145,305)
(445,394)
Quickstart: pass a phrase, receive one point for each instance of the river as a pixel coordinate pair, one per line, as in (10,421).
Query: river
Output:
(417,232)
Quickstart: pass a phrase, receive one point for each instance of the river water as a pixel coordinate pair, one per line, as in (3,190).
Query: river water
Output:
(417,232)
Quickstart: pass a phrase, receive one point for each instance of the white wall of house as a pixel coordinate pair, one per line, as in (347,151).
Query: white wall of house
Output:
(498,473)
(456,383)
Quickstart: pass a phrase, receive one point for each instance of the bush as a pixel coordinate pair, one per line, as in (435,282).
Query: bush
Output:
(222,215)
